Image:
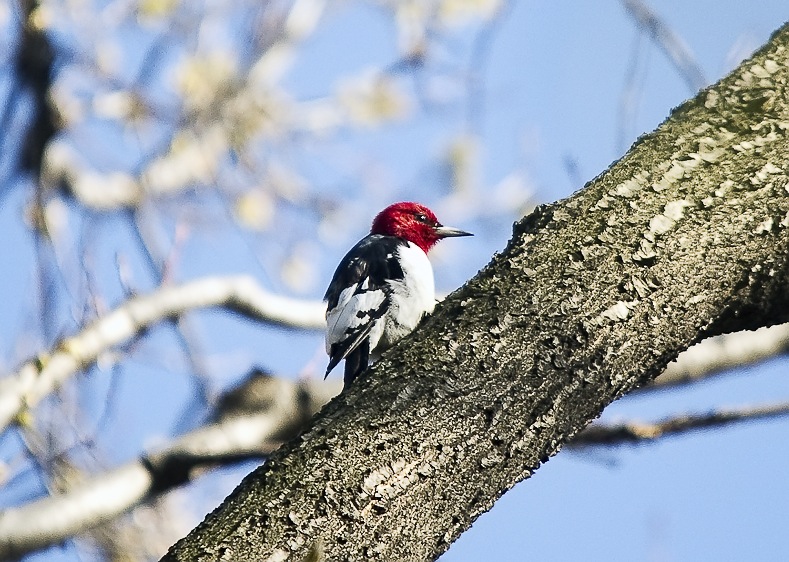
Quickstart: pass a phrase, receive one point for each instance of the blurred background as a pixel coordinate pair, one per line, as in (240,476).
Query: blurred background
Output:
(150,144)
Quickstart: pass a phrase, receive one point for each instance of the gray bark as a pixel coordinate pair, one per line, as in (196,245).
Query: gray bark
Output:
(684,237)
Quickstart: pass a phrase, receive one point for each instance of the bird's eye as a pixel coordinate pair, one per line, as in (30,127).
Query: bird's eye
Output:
(421,217)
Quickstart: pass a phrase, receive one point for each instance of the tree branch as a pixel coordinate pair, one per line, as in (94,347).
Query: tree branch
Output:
(631,432)
(40,376)
(241,434)
(252,418)
(717,355)
(257,416)
(685,237)
(252,421)
(672,46)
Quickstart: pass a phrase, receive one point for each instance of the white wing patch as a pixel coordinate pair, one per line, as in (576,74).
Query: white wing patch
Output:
(353,316)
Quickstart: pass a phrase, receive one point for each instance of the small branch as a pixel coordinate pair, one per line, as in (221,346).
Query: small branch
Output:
(643,432)
(478,67)
(672,46)
(632,89)
(717,355)
(183,329)
(40,376)
(237,436)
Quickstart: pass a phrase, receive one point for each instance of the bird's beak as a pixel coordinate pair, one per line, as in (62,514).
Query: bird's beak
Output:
(448,232)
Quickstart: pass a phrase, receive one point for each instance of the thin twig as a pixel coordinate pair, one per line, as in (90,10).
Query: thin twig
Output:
(633,432)
(669,42)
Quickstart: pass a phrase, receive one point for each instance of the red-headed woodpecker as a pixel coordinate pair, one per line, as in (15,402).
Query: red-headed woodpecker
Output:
(382,287)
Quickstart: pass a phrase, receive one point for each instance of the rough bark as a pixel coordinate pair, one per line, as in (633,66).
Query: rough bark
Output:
(684,237)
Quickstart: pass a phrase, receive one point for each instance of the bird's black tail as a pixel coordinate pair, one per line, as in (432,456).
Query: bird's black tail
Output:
(356,362)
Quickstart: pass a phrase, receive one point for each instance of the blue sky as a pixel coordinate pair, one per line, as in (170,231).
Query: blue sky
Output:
(550,92)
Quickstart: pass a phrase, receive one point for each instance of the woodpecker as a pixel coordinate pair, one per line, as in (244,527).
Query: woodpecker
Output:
(382,287)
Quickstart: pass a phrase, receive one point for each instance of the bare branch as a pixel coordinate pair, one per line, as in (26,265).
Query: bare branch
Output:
(40,376)
(642,432)
(239,435)
(183,329)
(716,355)
(672,45)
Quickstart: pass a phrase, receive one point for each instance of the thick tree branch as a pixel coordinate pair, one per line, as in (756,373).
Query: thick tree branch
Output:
(253,420)
(687,236)
(40,376)
(240,434)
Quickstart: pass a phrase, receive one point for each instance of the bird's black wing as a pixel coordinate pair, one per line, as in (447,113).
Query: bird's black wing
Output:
(358,295)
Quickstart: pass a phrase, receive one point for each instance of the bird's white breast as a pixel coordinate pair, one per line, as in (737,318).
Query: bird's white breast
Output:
(411,298)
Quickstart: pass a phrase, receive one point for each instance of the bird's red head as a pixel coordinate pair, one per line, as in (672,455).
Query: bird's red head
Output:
(414,222)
